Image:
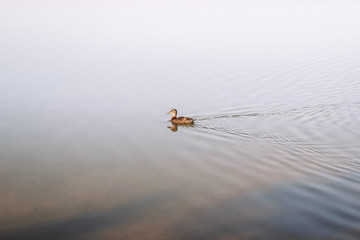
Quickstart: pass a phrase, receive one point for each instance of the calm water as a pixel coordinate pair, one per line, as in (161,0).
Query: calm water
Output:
(88,152)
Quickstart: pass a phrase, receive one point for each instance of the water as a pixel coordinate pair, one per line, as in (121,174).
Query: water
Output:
(88,152)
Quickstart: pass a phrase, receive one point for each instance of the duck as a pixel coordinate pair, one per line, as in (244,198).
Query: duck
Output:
(179,120)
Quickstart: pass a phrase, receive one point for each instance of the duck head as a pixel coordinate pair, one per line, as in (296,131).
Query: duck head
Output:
(173,112)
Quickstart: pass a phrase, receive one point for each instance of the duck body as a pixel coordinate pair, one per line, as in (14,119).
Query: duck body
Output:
(180,120)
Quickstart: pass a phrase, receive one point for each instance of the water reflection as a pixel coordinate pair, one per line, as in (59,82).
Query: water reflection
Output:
(174,126)
(83,224)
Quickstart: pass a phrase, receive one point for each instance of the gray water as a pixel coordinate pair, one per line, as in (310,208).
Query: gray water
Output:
(88,152)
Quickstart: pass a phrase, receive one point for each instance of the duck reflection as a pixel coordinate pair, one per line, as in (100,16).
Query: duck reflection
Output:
(174,126)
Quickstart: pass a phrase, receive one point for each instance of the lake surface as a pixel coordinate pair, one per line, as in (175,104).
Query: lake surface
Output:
(88,152)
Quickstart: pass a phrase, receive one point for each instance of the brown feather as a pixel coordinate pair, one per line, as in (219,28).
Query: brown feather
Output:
(182,120)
